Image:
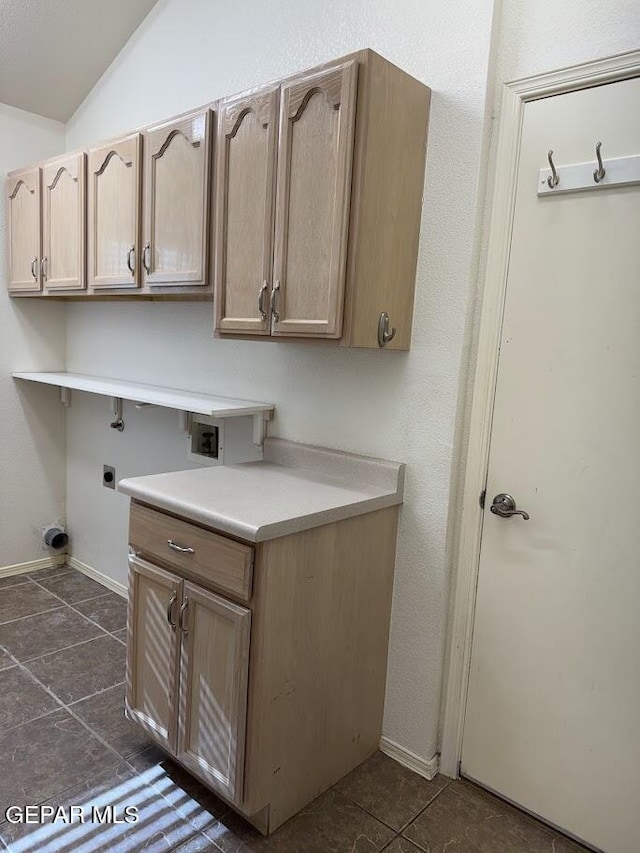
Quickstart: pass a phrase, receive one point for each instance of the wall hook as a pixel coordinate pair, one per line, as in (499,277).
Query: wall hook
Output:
(554,178)
(385,334)
(600,172)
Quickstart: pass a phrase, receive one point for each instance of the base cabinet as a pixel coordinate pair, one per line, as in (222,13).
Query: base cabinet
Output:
(213,689)
(272,689)
(187,666)
(153,648)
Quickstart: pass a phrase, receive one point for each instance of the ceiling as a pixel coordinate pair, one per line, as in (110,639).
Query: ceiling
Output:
(52,52)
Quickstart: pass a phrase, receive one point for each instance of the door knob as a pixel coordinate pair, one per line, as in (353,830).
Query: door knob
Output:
(505,506)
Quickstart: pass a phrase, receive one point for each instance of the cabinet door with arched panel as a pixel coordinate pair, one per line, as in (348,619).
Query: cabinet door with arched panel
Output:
(63,223)
(176,202)
(315,153)
(25,234)
(245,185)
(114,214)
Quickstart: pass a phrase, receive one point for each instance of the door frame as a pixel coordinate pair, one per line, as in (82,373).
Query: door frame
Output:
(466,561)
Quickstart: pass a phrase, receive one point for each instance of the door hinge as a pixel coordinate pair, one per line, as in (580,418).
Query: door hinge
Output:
(483,495)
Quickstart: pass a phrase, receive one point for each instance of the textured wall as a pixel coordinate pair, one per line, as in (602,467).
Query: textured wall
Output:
(398,406)
(543,35)
(32,458)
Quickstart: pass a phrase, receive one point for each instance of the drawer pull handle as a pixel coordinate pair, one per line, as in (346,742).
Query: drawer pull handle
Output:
(172,601)
(182,618)
(179,548)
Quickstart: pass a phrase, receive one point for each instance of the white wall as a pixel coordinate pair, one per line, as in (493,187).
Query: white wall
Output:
(542,35)
(397,406)
(32,337)
(531,37)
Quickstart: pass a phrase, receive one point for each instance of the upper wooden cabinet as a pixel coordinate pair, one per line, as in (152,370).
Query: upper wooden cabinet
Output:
(348,184)
(245,187)
(47,210)
(114,214)
(315,152)
(63,223)
(315,193)
(25,232)
(176,202)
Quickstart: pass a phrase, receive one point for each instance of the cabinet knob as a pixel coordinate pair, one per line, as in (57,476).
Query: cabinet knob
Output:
(129,261)
(34,264)
(44,263)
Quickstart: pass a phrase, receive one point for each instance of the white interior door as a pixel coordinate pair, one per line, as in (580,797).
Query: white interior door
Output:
(553,711)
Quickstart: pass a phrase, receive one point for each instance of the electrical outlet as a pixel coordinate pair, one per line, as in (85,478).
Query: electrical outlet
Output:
(108,476)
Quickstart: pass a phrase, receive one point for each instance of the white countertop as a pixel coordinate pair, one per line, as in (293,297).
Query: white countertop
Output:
(295,488)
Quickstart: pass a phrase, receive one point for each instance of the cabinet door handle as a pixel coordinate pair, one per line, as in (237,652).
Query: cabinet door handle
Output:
(170,605)
(34,264)
(263,290)
(129,261)
(275,293)
(146,257)
(43,267)
(175,547)
(182,618)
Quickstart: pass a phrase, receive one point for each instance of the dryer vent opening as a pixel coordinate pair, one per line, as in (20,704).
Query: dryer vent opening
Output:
(55,537)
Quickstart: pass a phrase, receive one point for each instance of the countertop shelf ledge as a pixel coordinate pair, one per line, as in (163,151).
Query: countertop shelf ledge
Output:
(153,395)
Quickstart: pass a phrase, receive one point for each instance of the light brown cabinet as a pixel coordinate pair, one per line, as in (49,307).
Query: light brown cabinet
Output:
(63,223)
(153,650)
(309,230)
(299,291)
(213,689)
(24,230)
(260,666)
(315,152)
(245,189)
(187,673)
(114,214)
(176,203)
(46,217)
(335,195)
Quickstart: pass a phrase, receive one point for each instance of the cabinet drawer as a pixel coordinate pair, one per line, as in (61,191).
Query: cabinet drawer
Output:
(212,559)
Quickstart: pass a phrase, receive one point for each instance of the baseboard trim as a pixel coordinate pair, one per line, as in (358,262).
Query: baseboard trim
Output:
(424,767)
(95,575)
(33,565)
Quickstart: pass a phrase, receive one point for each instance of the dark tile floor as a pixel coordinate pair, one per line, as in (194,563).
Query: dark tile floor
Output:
(65,742)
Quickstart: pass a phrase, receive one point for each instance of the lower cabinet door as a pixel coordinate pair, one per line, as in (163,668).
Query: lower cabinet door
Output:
(153,645)
(213,689)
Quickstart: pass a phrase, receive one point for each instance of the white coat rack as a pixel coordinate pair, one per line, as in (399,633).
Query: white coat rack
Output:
(598,174)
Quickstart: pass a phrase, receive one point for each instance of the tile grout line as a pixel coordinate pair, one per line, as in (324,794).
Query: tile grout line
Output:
(64,649)
(64,707)
(381,820)
(22,664)
(29,615)
(65,569)
(97,693)
(71,607)
(365,810)
(80,613)
(423,810)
